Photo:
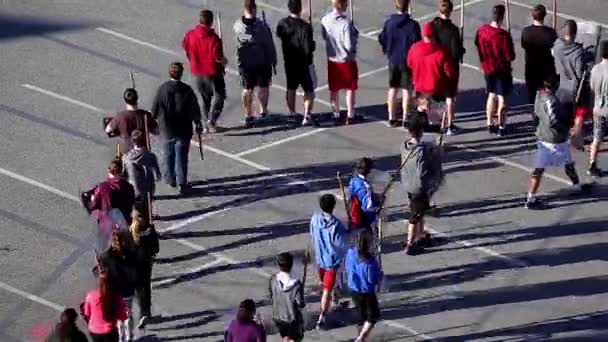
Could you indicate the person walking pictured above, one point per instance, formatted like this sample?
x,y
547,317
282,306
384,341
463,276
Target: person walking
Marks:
x,y
205,52
298,47
287,298
599,87
496,53
398,35
244,328
103,308
176,107
67,330
341,35
364,205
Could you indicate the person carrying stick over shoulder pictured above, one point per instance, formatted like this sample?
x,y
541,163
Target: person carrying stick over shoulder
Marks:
x,y
204,49
496,53
364,204
298,47
330,240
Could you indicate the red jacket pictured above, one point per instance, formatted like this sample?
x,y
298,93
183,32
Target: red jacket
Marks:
x,y
495,48
204,50
432,67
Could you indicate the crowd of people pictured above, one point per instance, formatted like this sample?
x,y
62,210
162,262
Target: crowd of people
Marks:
x,y
423,66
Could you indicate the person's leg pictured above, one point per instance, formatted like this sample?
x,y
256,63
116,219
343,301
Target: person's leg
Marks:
x,y
350,103
263,95
290,98
600,124
334,98
329,280
405,103
352,75
372,314
366,330
247,97
502,111
391,97
219,92
570,170
205,88
577,133
182,148
248,81
533,186
168,158
264,78
309,101
451,109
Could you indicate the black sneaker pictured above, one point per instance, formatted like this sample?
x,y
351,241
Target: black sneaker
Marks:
x,y
594,171
533,204
492,129
502,131
184,189
263,115
350,121
393,123
249,121
413,249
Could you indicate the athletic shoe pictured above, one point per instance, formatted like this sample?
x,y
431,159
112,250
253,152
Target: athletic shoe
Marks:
x,y
533,203
426,241
306,121
184,189
594,171
142,322
350,121
413,249
210,127
263,115
492,129
249,121
321,324
502,131
205,130
337,115
449,132
393,123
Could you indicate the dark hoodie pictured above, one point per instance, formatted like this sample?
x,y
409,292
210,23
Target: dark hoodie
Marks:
x,y
176,107
432,67
287,297
571,66
142,170
204,50
297,42
448,35
398,35
255,45
496,50
144,251
114,192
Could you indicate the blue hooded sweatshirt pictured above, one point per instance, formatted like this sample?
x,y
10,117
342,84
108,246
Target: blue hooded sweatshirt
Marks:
x,y
360,187
330,240
363,275
399,33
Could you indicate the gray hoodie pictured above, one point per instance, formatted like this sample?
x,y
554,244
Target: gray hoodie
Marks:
x,y
141,167
340,37
422,174
553,120
599,86
255,45
571,65
287,297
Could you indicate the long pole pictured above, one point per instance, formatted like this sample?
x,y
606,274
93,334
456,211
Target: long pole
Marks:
x,y
555,14
409,8
352,11
508,14
345,199
462,28
310,12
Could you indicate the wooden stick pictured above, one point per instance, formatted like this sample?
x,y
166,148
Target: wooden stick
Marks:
x,y
345,199
352,11
149,204
555,14
508,14
310,12
147,132
409,7
118,154
462,29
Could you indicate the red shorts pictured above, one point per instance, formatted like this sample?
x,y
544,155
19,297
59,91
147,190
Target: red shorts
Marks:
x,y
342,76
328,277
582,112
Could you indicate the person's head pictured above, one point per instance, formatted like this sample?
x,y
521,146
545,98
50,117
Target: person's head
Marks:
x,y
138,224
118,242
285,262
327,203
428,32
246,310
176,70
423,103
294,6
604,49
364,166
445,8
130,96
415,127
66,325
69,315
498,14
539,12
363,244
402,6
206,18
569,30
340,5
551,82
115,167
250,8
107,297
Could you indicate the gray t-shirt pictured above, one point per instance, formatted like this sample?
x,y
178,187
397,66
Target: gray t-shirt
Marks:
x,y
599,86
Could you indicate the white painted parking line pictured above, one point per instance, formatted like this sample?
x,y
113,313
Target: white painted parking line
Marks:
x,y
282,141
561,14
63,98
31,297
38,184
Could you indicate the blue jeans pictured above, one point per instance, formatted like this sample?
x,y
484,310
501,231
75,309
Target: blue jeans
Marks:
x,y
175,161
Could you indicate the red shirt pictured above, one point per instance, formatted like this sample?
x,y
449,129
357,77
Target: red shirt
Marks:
x,y
126,121
204,50
432,67
495,48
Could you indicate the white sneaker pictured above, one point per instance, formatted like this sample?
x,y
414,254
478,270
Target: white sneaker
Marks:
x,y
449,132
336,115
142,322
306,121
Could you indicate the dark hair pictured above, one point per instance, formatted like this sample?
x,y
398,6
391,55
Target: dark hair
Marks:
x,y
402,5
206,17
416,125
570,27
604,49
176,70
498,13
130,96
246,310
115,166
107,298
139,138
539,12
294,6
551,82
250,5
446,7
327,203
285,261
66,325
363,244
70,315
364,166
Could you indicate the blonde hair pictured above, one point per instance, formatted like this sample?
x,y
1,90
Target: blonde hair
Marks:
x,y
138,224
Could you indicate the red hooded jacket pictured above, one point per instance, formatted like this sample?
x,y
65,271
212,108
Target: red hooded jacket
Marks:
x,y
204,50
432,68
495,48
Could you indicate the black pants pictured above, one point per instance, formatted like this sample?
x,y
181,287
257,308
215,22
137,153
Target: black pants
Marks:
x,y
144,291
212,89
110,337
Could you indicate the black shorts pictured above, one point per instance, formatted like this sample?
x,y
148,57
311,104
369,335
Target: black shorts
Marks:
x,y
367,305
419,205
499,84
293,330
399,76
255,77
304,77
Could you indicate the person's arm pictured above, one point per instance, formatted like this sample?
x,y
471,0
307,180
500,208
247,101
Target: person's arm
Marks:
x,y
155,109
87,307
524,42
579,66
448,67
478,45
95,201
131,172
510,48
112,125
195,110
367,198
457,49
186,46
156,167
300,303
551,111
351,36
382,38
373,272
271,50
309,41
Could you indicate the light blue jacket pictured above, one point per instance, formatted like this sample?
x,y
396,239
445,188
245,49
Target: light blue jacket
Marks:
x,y
363,275
360,187
330,238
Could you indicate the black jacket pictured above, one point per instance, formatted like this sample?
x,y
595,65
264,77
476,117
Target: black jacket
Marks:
x,y
297,42
448,35
122,270
176,107
145,251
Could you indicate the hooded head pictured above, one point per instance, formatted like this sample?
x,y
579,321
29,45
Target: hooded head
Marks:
x,y
428,32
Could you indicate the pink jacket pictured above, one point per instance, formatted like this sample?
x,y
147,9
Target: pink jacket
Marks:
x,y
93,312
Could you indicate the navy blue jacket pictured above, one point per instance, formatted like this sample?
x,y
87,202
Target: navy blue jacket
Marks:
x,y
399,33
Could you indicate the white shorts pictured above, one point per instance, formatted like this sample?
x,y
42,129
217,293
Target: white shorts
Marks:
x,y
552,155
